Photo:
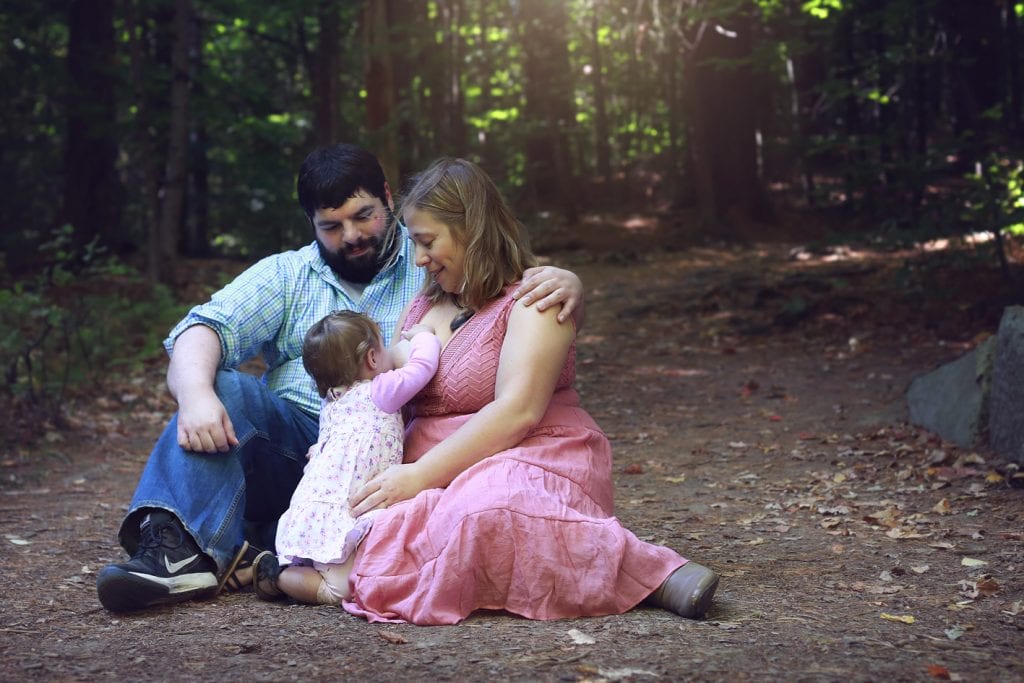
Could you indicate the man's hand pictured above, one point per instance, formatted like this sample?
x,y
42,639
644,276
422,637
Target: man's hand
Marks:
x,y
393,485
204,425
547,286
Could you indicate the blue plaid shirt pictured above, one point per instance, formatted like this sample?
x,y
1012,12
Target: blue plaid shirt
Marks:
x,y
268,309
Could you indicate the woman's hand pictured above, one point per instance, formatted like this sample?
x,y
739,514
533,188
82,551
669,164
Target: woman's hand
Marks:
x,y
393,485
547,286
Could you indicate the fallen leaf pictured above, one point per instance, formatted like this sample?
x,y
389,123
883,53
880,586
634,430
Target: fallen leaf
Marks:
x,y
623,674
579,637
942,507
937,671
393,638
971,562
675,480
904,533
987,586
902,618
727,625
633,468
954,632
737,444
1015,609
920,569
944,545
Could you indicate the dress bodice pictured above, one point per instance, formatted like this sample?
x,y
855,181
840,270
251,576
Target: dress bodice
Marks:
x,y
468,368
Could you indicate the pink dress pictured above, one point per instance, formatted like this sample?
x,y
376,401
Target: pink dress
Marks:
x,y
528,530
360,436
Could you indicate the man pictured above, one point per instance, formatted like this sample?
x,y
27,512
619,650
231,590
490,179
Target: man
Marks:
x,y
225,467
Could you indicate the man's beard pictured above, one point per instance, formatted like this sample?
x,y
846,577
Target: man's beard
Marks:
x,y
359,269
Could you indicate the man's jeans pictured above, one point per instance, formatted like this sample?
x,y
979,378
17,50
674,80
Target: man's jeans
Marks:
x,y
222,498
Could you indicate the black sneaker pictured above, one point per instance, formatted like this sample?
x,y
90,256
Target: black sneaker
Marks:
x,y
168,566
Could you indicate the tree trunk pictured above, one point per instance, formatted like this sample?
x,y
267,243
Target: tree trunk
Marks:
x,y
601,128
172,193
724,145
197,234
1013,67
325,73
409,30
549,111
92,198
380,87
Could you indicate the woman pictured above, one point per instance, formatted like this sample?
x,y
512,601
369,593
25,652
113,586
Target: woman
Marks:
x,y
504,500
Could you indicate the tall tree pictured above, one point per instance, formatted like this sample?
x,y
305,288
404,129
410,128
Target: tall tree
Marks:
x,y
325,69
380,86
91,196
549,110
602,133
173,185
721,92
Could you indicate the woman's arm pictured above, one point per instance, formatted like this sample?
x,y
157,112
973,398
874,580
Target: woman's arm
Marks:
x,y
532,356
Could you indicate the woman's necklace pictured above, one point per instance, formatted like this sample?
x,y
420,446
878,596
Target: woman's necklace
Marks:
x,y
460,318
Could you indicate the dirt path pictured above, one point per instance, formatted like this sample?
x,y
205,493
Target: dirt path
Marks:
x,y
755,403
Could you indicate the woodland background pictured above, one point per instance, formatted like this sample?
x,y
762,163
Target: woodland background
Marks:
x,y
135,134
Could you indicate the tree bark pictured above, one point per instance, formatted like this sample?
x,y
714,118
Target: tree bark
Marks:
x,y
380,87
724,123
602,146
172,192
549,109
325,73
92,197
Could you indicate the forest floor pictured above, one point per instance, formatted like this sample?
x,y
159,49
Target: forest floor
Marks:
x,y
755,398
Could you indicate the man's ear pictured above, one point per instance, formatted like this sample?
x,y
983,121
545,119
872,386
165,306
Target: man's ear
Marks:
x,y
387,195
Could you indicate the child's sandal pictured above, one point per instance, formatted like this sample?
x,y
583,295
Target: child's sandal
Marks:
x,y
265,571
230,581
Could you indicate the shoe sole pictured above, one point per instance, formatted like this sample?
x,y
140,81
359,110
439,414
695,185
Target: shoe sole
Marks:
x,y
123,591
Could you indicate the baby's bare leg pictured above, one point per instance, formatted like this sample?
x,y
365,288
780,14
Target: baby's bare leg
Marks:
x,y
324,585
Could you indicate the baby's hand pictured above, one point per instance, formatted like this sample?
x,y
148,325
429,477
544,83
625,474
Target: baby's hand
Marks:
x,y
417,329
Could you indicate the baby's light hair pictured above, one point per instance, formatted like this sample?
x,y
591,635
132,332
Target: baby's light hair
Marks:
x,y
335,348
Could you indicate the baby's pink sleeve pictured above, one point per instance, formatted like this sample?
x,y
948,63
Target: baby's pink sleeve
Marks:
x,y
393,389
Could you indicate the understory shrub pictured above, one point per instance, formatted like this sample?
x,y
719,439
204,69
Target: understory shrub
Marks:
x,y
80,320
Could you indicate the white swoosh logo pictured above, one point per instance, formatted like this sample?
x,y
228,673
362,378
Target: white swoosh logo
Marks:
x,y
175,567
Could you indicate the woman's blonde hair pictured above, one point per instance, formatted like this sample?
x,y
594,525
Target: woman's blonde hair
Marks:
x,y
459,194
335,348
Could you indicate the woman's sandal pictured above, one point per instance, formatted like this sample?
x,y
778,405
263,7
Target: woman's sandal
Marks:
x,y
687,591
265,571
231,581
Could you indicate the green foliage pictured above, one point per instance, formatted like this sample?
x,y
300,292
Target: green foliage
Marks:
x,y
80,319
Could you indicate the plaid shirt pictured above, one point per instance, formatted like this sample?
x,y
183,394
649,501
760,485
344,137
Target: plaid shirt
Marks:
x,y
268,309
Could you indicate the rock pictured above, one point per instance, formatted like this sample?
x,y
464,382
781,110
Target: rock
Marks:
x,y
953,400
1006,416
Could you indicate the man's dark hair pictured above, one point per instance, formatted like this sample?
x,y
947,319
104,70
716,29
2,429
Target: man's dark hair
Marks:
x,y
330,176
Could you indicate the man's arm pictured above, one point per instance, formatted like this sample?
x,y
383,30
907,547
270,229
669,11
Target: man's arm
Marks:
x,y
548,286
203,423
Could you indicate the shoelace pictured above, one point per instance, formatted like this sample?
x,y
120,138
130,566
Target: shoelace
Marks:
x,y
151,536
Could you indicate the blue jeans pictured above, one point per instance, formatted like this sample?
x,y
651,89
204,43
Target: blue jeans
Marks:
x,y
223,498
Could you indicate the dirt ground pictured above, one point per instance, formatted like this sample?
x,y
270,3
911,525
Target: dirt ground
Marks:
x,y
755,400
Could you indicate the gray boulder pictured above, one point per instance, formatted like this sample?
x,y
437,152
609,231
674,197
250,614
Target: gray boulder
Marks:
x,y
953,400
1006,414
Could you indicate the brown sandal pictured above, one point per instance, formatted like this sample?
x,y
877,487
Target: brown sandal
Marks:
x,y
230,582
265,571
